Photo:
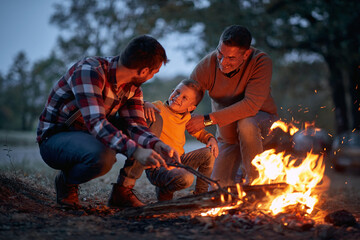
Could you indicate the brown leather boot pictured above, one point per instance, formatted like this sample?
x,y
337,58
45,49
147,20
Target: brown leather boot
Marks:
x,y
66,194
162,195
123,197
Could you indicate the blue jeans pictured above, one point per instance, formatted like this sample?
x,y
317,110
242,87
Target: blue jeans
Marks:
x,y
239,143
81,158
79,155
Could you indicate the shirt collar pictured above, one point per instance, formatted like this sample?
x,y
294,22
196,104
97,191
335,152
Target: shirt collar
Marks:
x,y
113,68
232,73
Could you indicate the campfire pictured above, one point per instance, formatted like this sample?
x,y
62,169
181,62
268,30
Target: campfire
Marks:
x,y
298,177
284,195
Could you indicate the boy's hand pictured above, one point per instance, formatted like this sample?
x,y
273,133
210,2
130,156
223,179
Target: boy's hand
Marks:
x,y
167,152
149,158
214,148
149,111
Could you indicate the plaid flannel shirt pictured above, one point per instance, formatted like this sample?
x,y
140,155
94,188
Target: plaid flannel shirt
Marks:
x,y
91,86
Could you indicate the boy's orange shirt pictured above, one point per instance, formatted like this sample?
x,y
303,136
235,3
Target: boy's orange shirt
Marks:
x,y
173,131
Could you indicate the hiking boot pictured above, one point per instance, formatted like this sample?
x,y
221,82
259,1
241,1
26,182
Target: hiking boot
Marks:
x,y
66,194
162,195
123,197
196,192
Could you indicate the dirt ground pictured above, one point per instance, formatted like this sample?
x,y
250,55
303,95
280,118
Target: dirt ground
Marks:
x,y
28,211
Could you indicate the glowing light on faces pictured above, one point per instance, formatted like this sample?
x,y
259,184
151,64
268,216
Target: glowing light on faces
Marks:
x,y
182,99
229,58
137,81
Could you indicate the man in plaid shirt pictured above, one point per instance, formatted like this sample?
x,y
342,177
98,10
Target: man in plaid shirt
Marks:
x,y
95,111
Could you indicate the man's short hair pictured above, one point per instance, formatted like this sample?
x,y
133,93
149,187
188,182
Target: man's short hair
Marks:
x,y
199,92
143,51
236,36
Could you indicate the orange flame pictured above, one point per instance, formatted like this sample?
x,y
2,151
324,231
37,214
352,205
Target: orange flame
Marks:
x,y
222,210
301,179
301,176
290,128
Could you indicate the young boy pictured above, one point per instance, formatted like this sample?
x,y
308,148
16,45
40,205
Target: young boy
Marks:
x,y
168,123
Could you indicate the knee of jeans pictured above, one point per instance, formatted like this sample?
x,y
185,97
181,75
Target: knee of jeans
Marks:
x,y
103,160
247,126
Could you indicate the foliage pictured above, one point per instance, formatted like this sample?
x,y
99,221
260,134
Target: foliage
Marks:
x,y
328,29
323,35
24,91
16,98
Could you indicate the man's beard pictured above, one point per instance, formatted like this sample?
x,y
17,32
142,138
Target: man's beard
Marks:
x,y
137,81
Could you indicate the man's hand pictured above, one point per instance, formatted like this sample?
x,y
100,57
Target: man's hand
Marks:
x,y
195,124
149,158
167,152
149,111
214,148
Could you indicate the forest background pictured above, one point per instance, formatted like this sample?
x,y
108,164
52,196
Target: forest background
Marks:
x,y
314,44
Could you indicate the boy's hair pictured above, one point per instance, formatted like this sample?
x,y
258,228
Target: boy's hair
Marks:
x,y
236,36
143,51
190,83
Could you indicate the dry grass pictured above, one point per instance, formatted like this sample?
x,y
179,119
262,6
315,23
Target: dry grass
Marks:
x,y
37,172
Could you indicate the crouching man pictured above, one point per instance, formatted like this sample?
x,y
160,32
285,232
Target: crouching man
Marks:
x,y
96,111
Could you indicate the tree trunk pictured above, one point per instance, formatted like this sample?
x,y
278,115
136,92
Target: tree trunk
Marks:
x,y
354,75
338,95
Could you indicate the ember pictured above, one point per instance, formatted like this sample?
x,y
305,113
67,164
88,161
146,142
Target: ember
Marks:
x,y
223,210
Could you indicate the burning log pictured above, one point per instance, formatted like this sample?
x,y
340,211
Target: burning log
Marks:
x,y
181,205
201,202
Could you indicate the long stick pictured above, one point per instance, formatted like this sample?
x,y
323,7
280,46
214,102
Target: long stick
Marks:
x,y
203,177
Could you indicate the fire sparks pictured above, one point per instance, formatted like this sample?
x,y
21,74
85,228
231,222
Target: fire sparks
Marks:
x,y
301,176
290,128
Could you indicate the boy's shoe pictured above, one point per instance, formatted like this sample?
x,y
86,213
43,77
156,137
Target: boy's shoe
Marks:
x,y
66,194
123,197
162,195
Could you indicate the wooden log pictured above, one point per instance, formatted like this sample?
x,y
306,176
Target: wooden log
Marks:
x,y
180,205
198,202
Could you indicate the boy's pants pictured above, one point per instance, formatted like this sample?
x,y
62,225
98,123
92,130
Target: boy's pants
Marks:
x,y
178,178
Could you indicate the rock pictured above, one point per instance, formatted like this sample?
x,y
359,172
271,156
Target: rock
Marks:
x,y
312,139
341,218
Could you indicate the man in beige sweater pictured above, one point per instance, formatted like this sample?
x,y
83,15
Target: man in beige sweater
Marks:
x,y
237,78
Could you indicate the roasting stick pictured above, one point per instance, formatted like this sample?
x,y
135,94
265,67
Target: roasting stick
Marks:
x,y
203,177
